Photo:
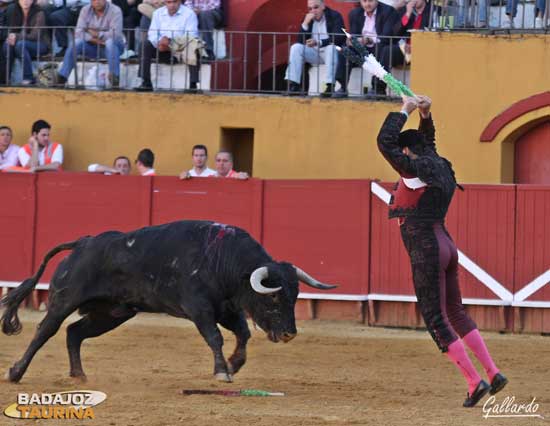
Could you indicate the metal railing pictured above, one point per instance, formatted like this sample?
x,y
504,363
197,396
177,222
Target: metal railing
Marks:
x,y
254,62
495,15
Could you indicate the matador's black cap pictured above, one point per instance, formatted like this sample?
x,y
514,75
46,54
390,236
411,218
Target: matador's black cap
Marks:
x,y
412,139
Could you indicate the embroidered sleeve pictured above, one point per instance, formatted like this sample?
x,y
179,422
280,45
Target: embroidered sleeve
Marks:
x,y
389,147
426,127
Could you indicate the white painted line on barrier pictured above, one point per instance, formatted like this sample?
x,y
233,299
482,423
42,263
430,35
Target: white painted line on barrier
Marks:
x,y
13,284
464,260
380,192
484,277
332,296
532,287
531,304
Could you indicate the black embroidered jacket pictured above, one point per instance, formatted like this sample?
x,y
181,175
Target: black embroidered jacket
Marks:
x,y
427,204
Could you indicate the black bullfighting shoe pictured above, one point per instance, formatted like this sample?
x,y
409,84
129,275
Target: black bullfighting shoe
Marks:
x,y
498,383
480,391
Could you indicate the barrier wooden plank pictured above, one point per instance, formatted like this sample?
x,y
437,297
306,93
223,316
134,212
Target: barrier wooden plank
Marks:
x,y
17,215
322,227
71,205
228,201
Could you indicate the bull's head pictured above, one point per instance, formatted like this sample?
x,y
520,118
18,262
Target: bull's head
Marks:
x,y
276,288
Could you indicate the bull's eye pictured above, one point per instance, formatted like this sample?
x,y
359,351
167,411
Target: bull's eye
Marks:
x,y
274,297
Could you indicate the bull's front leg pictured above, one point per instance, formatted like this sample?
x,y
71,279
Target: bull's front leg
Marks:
x,y
236,322
211,333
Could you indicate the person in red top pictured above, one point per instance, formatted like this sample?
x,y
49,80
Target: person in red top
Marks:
x,y
40,153
415,15
224,166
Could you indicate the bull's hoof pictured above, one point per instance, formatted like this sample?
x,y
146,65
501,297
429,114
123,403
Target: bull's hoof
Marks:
x,y
10,377
223,377
79,378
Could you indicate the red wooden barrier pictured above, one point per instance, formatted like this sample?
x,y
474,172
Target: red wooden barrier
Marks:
x,y
390,267
227,201
335,230
532,266
481,222
323,227
17,215
71,205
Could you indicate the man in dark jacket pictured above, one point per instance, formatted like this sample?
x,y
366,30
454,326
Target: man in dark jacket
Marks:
x,y
374,23
414,16
320,33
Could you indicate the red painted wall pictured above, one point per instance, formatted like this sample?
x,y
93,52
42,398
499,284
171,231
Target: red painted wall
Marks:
x,y
532,156
322,227
17,215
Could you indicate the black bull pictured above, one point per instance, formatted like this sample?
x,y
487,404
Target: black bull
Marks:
x,y
203,271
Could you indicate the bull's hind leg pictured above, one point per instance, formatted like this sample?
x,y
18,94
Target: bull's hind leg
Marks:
x,y
102,319
46,329
236,322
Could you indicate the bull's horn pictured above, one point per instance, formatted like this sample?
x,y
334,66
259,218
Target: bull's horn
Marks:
x,y
312,282
256,281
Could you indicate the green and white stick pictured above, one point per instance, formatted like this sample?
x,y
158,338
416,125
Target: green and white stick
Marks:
x,y
359,55
374,67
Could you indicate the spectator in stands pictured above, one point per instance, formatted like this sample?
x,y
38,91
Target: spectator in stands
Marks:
x,y
121,166
145,161
26,39
210,16
512,11
224,166
170,21
65,14
41,154
98,35
8,151
415,15
374,22
130,20
320,33
199,156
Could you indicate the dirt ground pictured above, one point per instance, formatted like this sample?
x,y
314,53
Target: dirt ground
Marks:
x,y
333,373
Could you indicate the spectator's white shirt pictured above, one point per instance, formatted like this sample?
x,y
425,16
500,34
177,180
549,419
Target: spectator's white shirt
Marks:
x,y
319,31
9,157
369,28
150,172
205,173
183,22
57,155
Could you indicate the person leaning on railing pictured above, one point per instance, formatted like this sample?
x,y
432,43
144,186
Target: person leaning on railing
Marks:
x,y
8,150
26,39
98,35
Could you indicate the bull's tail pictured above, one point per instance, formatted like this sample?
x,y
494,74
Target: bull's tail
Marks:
x,y
11,301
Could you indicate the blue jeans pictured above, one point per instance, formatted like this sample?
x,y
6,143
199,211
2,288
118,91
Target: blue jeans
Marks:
x,y
111,51
512,7
26,50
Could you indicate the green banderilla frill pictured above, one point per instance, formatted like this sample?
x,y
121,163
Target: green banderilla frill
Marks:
x,y
397,86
